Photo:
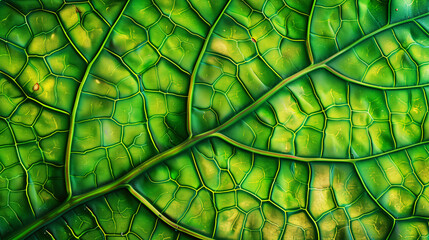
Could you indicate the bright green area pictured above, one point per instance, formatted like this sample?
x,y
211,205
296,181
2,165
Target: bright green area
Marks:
x,y
239,119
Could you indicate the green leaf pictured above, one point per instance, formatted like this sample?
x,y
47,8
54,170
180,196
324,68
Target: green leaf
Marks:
x,y
236,119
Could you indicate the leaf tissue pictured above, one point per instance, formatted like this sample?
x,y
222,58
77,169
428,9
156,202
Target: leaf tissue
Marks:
x,y
214,119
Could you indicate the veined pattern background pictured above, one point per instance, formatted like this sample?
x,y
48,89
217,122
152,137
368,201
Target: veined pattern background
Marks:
x,y
214,119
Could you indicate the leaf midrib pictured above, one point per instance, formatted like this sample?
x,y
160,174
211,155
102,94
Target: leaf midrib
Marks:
x,y
74,201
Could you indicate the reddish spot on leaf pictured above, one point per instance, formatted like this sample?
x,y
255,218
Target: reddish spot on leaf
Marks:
x,y
77,10
36,87
253,40
396,9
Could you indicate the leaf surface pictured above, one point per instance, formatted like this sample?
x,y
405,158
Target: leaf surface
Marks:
x,y
218,119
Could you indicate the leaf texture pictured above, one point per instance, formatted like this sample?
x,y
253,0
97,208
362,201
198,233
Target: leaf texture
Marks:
x,y
238,119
